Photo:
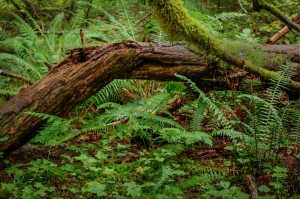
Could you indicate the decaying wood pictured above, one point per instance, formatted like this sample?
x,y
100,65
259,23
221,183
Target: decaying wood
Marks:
x,y
291,51
86,70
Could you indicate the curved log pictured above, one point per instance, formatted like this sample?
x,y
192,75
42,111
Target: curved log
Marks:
x,y
86,70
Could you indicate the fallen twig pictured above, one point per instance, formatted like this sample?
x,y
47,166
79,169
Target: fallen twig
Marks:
x,y
10,74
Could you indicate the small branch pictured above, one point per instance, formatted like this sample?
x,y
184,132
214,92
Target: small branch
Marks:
x,y
116,122
83,41
242,7
58,33
9,74
142,19
283,31
261,4
49,65
250,183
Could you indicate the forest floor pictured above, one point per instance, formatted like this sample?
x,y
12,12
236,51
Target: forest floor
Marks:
x,y
77,162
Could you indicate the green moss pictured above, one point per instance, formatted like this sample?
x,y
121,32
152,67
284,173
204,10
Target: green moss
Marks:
x,y
268,6
277,60
245,51
262,71
175,20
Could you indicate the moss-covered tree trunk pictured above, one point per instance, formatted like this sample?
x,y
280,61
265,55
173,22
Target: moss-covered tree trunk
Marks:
x,y
84,71
179,24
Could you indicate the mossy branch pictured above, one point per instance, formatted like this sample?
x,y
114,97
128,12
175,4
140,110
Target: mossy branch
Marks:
x,y
175,20
261,4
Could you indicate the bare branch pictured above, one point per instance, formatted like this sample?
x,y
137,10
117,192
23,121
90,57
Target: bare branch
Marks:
x,y
283,31
142,19
9,74
261,4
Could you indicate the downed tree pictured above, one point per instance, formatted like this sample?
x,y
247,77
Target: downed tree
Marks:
x,y
184,26
86,70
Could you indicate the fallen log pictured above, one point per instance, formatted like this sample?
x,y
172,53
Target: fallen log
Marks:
x,y
86,70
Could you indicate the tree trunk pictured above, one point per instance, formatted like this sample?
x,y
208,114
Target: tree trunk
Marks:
x,y
86,70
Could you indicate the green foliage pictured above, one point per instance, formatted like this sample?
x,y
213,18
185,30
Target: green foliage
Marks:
x,y
4,139
118,28
141,149
55,131
111,92
183,25
33,47
266,120
279,175
214,23
133,189
95,188
134,118
247,51
216,112
175,135
37,190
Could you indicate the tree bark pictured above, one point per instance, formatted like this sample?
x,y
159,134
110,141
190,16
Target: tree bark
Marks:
x,y
86,70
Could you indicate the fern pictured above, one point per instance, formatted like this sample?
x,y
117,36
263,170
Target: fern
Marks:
x,y
24,27
267,122
29,56
214,23
250,86
273,119
111,92
233,134
55,25
128,21
23,65
210,22
139,118
55,131
175,135
208,177
166,174
8,92
229,15
197,117
115,27
153,33
291,120
211,106
4,34
31,47
139,111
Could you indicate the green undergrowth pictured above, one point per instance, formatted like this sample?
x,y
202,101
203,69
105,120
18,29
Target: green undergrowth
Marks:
x,y
137,148
147,139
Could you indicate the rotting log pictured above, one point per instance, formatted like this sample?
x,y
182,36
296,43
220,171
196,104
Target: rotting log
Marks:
x,y
86,70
